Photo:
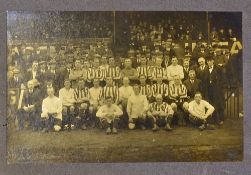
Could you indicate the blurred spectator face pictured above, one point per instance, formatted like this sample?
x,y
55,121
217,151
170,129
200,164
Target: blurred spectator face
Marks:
x,y
187,37
109,102
136,89
30,85
35,65
158,61
201,61
210,63
128,63
86,64
96,63
109,81
78,64
53,66
15,71
111,61
152,38
10,74
78,49
186,63
103,60
43,66
142,37
67,84
143,60
159,99
200,35
169,36
230,30
142,80
202,49
148,55
50,92
68,65
174,61
81,83
96,83
221,30
138,55
159,80
49,82
197,97
126,81
192,74
144,47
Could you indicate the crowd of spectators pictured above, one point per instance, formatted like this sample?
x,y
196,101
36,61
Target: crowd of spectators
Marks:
x,y
59,25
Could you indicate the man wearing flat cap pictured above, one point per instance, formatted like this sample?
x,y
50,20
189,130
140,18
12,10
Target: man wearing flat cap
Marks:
x,y
16,80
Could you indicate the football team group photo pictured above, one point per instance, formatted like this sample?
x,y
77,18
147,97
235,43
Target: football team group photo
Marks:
x,y
124,86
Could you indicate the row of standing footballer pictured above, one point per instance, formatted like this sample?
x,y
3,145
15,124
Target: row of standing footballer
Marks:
x,y
138,106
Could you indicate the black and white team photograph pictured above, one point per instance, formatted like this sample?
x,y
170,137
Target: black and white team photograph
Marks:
x,y
124,86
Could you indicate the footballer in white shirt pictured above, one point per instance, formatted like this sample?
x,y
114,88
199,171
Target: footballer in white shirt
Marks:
x,y
200,111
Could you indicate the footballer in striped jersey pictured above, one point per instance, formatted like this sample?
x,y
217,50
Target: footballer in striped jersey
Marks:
x,y
110,90
143,68
145,89
160,88
81,94
178,96
160,114
158,70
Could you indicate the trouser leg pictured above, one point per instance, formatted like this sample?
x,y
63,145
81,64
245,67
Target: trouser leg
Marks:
x,y
221,114
115,122
142,121
50,123
33,118
105,124
169,119
152,121
37,120
92,120
180,117
64,117
196,120
21,118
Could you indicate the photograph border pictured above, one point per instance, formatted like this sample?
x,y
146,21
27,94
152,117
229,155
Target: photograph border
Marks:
x,y
173,168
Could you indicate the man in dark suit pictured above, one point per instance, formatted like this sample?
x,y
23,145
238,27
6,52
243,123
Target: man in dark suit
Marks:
x,y
54,75
186,68
192,84
64,74
33,73
16,80
42,71
202,73
31,106
215,90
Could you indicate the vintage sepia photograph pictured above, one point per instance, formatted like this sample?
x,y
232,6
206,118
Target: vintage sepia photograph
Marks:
x,y
124,86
